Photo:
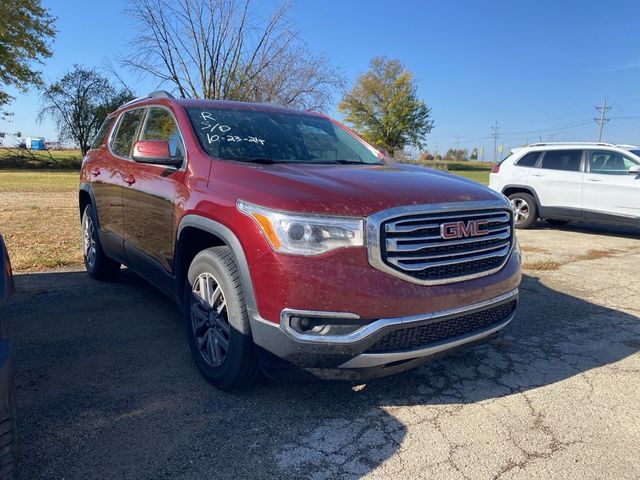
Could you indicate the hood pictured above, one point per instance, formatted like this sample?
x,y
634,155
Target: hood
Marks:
x,y
352,190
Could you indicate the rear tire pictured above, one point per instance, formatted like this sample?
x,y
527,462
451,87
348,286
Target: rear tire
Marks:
x,y
98,265
217,321
525,209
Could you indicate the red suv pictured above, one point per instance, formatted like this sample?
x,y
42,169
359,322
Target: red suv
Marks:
x,y
291,244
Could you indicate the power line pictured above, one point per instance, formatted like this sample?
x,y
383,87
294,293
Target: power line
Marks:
x,y
602,120
495,133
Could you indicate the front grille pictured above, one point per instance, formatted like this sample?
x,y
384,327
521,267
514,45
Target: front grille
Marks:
x,y
448,329
413,244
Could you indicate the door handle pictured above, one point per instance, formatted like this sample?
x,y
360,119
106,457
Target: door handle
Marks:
x,y
593,180
95,172
537,175
130,180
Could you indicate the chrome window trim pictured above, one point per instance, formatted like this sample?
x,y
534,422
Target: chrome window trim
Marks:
x,y
377,325
372,236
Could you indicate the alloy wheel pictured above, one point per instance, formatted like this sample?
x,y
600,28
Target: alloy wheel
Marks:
x,y
89,241
521,210
209,320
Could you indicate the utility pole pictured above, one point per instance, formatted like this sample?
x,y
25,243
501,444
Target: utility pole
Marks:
x,y
457,154
603,109
495,133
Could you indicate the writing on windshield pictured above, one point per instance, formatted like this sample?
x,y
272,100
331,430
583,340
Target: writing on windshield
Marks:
x,y
243,134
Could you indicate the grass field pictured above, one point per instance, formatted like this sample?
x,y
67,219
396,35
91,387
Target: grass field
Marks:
x,y
39,217
480,176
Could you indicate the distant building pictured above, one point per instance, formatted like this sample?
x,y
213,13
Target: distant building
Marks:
x,y
35,143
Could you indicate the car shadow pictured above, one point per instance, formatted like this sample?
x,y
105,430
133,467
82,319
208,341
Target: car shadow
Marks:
x,y
107,389
592,229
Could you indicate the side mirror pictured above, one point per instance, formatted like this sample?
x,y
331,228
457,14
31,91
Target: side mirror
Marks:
x,y
634,170
156,152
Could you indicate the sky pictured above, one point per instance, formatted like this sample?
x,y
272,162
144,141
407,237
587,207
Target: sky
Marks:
x,y
537,68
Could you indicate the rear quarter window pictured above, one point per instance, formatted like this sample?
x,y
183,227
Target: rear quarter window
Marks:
x,y
529,160
101,137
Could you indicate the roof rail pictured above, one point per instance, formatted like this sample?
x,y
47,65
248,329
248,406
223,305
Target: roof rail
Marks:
x,y
541,144
160,94
156,94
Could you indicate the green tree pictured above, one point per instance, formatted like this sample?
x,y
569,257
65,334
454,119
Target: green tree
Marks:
x,y
79,102
383,107
457,154
26,30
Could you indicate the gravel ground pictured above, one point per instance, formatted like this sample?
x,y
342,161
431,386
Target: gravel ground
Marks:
x,y
107,389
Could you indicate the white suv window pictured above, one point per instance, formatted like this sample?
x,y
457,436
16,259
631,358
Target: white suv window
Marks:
x,y
529,160
609,163
568,160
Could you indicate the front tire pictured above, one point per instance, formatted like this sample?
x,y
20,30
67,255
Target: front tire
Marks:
x,y
217,320
8,438
98,265
525,209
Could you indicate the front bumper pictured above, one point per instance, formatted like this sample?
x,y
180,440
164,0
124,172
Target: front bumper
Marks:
x,y
380,347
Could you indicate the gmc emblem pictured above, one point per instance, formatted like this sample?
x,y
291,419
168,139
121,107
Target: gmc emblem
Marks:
x,y
472,228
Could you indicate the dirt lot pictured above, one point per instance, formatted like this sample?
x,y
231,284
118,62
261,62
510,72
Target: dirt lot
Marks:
x,y
39,218
106,387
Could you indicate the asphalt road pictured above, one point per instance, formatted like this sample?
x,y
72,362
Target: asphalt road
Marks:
x,y
107,389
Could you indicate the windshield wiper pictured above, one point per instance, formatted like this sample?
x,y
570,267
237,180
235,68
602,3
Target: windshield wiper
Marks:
x,y
341,161
262,161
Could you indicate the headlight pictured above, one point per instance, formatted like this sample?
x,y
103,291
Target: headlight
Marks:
x,y
302,234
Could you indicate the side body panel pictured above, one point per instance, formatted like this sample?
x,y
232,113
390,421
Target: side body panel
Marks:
x,y
557,188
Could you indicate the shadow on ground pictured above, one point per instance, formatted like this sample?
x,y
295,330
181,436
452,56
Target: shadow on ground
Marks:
x,y
107,389
592,229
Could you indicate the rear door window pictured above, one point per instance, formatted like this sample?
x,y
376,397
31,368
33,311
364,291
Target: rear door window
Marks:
x,y
567,160
529,160
122,142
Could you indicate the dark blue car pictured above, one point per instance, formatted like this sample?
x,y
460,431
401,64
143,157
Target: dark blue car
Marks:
x,y
7,397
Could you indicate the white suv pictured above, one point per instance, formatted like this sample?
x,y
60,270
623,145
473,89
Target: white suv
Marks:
x,y
564,182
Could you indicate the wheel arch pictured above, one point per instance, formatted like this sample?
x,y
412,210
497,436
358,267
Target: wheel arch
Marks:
x,y
85,197
196,233
511,189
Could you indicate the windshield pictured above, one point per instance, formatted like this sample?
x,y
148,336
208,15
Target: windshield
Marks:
x,y
274,137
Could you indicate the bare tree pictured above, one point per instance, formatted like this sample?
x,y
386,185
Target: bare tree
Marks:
x,y
215,49
78,103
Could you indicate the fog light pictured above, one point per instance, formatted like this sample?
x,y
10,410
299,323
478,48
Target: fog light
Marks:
x,y
307,325
316,326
